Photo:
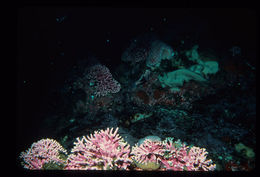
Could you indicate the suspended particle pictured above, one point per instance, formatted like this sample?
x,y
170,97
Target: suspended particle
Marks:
x,y
60,19
164,19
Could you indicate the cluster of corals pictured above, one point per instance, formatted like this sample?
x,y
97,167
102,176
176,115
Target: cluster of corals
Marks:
x,y
184,158
105,150
102,80
43,152
167,155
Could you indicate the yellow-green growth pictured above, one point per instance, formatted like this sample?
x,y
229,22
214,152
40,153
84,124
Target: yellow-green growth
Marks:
x,y
140,116
53,166
148,165
246,151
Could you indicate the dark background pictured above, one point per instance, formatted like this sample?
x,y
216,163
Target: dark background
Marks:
x,y
48,48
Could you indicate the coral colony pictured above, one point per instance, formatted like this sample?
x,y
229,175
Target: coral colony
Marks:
x,y
43,153
107,150
100,77
102,151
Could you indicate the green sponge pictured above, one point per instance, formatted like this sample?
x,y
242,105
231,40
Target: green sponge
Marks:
x,y
175,79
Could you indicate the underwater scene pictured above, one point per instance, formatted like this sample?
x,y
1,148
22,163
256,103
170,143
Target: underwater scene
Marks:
x,y
136,89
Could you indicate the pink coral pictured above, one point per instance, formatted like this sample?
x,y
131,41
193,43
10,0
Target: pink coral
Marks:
x,y
102,151
149,151
185,158
170,155
198,158
42,152
102,80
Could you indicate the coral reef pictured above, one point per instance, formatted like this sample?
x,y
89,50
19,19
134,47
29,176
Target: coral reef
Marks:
x,y
161,89
107,150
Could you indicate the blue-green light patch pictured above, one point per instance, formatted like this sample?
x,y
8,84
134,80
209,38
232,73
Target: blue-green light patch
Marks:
x,y
92,97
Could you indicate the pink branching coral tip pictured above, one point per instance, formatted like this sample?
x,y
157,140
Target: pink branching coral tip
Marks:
x,y
103,150
148,151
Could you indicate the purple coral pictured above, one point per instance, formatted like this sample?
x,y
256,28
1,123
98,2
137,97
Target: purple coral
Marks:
x,y
42,152
102,80
102,151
